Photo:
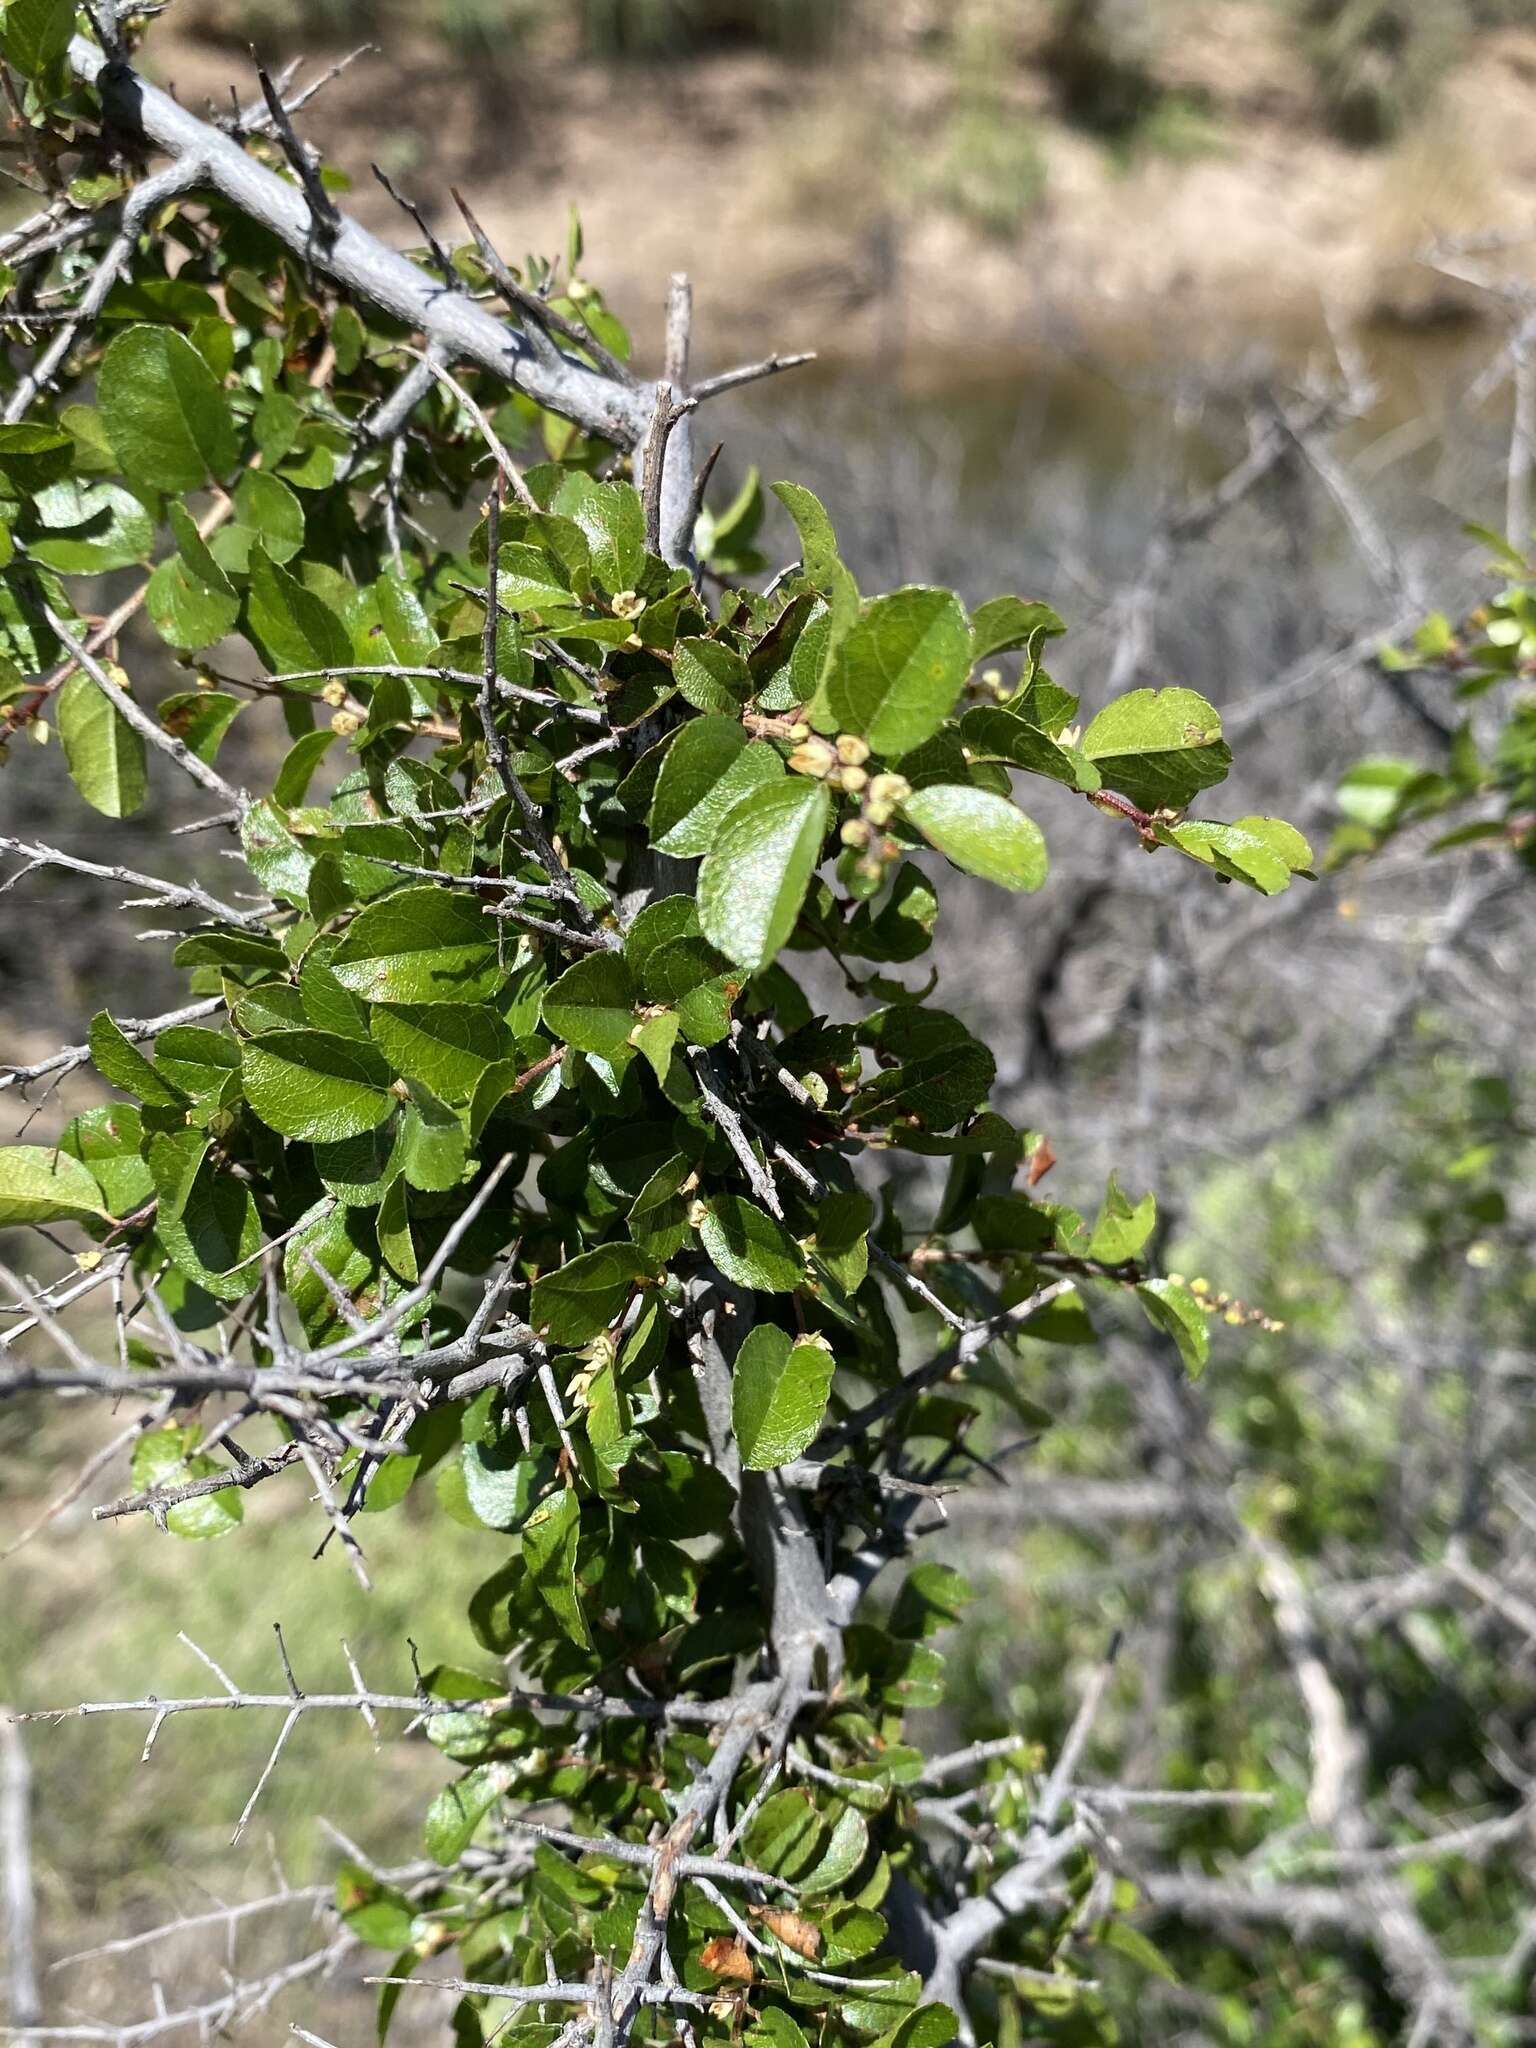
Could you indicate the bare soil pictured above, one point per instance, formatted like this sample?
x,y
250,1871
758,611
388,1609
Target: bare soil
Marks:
x,y
798,197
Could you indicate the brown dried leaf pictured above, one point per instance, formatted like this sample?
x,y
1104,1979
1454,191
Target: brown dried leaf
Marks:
x,y
724,1957
794,1932
1041,1160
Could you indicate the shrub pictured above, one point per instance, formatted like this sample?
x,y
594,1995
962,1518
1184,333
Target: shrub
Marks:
x,y
511,1143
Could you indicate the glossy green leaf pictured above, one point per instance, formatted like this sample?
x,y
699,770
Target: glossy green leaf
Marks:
x,y
550,1537
199,719
167,1458
753,883
897,675
311,1084
592,1005
185,612
92,528
708,769
580,1299
1006,623
293,628
104,753
423,945
981,832
779,1394
750,1246
165,415
122,1064
1175,1311
1160,748
36,34
39,1184
447,1046
458,1810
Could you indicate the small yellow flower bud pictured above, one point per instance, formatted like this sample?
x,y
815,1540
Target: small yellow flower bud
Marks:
x,y
889,789
40,730
799,731
992,678
855,833
851,750
335,693
698,1213
854,779
813,757
345,723
629,604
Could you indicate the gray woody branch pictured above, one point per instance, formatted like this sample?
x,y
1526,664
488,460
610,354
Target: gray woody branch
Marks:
x,y
611,406
618,412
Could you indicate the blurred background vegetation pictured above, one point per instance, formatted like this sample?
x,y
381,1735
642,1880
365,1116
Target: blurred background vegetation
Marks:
x,y
1065,258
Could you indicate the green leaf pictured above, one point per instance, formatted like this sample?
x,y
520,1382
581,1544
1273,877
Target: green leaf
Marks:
x,y
1123,1226
92,528
592,1005
779,1394
1160,748
293,628
842,1856
211,1226
580,1299
420,946
750,1247
754,880
446,1046
613,520
655,1038
167,1458
108,1140
1370,792
842,1237
658,1221
269,513
708,769
33,456
1009,622
37,34
433,1148
991,734
459,1809
119,1061
1129,1941
981,832
818,541
104,753
199,719
406,625
1175,1311
897,675
41,1185
375,1912
710,676
315,1085
393,1225
185,612
550,1538
164,413
1239,853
